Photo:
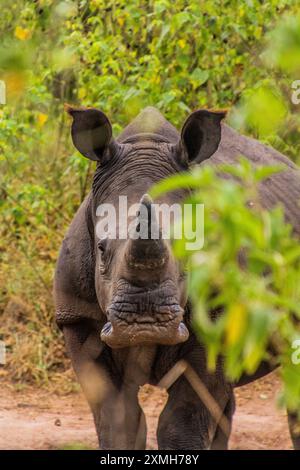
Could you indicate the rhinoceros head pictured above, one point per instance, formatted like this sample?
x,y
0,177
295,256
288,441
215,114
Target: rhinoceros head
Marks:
x,y
140,285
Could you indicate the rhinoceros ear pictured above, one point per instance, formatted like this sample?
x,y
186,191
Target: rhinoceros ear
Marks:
x,y
91,131
201,135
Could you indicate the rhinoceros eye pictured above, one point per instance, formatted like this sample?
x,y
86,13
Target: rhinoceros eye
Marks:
x,y
105,257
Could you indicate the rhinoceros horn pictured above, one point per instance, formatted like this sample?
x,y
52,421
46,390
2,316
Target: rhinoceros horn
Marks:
x,y
146,249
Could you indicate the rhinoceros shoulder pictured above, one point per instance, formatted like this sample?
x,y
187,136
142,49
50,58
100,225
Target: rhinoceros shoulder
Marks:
x,y
74,281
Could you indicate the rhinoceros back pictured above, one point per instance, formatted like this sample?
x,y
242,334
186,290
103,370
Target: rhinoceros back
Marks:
x,y
280,188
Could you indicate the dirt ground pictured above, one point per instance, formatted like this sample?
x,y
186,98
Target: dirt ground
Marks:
x,y
32,419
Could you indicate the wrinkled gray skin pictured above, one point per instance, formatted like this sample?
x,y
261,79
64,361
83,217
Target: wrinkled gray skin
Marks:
x,y
122,305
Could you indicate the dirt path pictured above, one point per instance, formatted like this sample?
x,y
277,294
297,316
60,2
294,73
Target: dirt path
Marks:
x,y
33,420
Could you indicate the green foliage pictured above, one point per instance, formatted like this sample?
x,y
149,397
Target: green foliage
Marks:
x,y
262,110
119,56
284,46
266,109
244,283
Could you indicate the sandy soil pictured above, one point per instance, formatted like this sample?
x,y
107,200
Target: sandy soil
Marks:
x,y
32,419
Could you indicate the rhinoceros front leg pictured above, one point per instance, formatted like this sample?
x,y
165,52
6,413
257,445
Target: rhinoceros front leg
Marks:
x,y
119,420
220,440
185,422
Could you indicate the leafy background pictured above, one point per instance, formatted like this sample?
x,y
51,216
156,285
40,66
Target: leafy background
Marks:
x,y
119,56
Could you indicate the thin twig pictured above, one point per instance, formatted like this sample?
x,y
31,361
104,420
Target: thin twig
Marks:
x,y
182,367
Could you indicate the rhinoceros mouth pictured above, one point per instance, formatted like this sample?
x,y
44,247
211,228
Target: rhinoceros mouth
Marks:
x,y
142,317
120,334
